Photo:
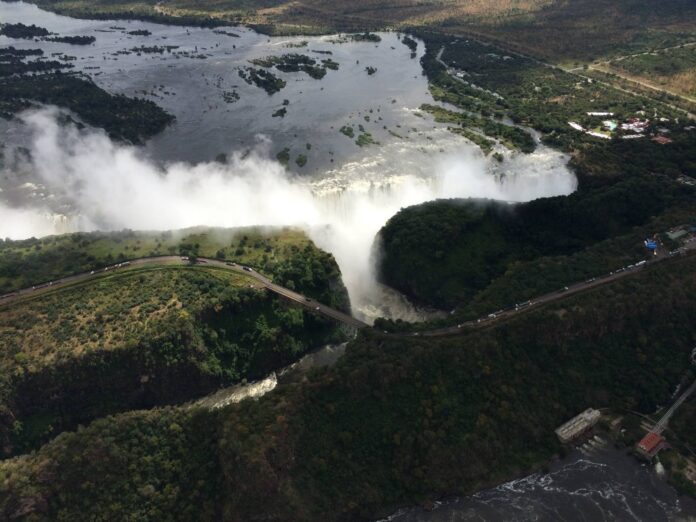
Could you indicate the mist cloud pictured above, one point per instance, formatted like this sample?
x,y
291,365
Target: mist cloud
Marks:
x,y
111,187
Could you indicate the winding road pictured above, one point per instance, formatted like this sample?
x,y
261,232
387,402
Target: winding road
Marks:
x,y
305,302
332,313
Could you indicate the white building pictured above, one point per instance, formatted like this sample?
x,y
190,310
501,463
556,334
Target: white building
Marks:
x,y
578,425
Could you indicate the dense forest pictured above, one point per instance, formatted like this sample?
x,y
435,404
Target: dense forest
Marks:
x,y
444,252
123,118
73,355
398,420
138,340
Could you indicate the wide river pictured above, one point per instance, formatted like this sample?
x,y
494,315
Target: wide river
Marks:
x,y
342,196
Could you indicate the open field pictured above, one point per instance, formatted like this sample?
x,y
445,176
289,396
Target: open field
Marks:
x,y
554,29
672,69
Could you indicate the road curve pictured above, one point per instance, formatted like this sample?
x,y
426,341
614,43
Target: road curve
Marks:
x,y
553,296
319,308
305,302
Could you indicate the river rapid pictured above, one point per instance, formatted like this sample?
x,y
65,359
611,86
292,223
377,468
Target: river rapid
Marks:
x,y
595,483
59,179
342,196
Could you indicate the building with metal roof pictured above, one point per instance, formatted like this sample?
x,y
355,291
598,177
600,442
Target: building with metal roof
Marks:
x,y
578,425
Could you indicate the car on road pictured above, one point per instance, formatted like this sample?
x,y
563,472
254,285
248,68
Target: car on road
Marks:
x,y
316,308
247,269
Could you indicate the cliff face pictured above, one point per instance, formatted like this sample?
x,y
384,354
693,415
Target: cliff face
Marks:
x,y
147,337
445,252
398,420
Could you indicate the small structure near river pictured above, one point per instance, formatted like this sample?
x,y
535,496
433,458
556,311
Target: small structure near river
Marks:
x,y
578,425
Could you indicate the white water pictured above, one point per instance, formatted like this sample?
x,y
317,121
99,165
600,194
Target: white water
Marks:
x,y
99,184
72,180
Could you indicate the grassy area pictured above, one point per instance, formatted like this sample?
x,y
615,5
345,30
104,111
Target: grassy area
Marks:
x,y
580,29
397,420
151,336
673,69
105,314
584,30
286,254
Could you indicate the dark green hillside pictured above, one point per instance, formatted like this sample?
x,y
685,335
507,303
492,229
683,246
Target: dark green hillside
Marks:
x,y
398,420
444,252
287,255
123,118
139,339
143,337
159,465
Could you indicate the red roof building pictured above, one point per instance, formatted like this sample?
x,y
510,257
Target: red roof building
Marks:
x,y
662,140
651,444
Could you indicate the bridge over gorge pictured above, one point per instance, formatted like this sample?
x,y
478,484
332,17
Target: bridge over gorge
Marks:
x,y
653,442
342,317
299,299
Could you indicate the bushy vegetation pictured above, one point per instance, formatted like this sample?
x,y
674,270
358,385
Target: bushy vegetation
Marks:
x,y
138,339
366,37
512,137
499,85
297,63
73,40
262,78
671,68
22,31
398,420
445,252
411,44
287,255
123,118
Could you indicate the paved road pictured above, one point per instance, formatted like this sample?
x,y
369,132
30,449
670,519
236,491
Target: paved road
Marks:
x,y
305,302
327,311
553,296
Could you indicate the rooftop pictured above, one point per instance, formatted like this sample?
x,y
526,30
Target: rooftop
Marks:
x,y
651,443
578,424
